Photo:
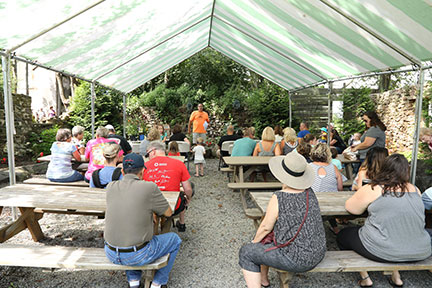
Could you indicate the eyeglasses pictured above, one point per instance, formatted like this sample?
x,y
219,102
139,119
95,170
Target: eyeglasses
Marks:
x,y
148,152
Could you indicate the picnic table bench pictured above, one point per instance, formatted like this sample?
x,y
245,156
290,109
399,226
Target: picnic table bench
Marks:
x,y
70,258
34,200
350,261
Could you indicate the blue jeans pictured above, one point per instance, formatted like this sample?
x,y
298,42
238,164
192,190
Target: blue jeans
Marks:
x,y
159,246
73,178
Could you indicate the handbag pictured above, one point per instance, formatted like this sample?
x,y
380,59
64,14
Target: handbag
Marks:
x,y
349,155
270,237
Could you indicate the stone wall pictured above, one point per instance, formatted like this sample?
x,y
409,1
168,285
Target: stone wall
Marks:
x,y
396,109
23,125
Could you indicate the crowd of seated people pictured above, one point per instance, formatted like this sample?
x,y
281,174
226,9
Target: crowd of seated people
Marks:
x,y
304,167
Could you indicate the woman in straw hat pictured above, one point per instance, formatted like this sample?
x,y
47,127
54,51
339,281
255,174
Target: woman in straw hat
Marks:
x,y
291,236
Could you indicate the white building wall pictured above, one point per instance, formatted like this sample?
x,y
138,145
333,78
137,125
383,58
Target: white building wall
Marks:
x,y
42,86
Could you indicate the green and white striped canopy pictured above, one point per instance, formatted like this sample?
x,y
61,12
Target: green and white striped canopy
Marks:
x,y
124,43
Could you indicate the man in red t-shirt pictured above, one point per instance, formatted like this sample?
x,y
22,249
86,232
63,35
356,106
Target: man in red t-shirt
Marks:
x,y
168,173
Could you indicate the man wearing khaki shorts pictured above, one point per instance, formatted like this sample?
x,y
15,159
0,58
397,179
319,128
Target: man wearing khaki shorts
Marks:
x,y
200,121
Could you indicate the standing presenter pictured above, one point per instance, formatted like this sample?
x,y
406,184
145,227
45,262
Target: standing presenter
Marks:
x,y
200,121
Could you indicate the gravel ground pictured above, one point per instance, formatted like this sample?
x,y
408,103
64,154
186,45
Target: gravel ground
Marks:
x,y
216,229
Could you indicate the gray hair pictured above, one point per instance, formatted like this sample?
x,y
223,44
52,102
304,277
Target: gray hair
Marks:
x,y
157,145
102,132
77,130
63,134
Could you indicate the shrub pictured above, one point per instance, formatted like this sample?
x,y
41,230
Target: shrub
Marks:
x,y
108,108
42,142
355,103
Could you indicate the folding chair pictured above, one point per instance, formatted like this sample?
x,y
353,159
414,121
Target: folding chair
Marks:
x,y
184,148
225,147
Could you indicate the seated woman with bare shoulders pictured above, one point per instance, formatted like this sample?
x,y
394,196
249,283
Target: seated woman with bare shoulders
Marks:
x,y
370,167
291,236
394,229
60,166
289,142
327,176
266,147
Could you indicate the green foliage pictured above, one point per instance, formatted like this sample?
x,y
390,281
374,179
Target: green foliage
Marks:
x,y
108,107
166,103
356,102
41,143
268,106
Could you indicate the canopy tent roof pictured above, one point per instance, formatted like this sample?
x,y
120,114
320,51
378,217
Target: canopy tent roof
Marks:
x,y
123,44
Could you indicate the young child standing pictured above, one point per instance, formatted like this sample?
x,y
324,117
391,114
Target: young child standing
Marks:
x,y
173,149
199,160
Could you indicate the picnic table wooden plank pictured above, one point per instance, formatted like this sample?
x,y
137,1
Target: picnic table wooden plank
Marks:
x,y
66,257
331,203
350,261
61,197
246,160
241,162
45,181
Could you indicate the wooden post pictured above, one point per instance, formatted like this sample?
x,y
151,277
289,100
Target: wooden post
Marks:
x,y
285,277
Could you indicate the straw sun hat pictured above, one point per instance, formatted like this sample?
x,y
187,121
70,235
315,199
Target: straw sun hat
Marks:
x,y
292,170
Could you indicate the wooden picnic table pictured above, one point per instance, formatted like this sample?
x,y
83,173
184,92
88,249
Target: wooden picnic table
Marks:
x,y
331,203
348,165
240,162
28,197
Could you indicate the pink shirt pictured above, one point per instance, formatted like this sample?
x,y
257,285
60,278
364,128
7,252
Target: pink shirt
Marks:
x,y
94,152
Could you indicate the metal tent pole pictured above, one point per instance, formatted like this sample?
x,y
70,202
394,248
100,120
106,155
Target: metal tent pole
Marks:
x,y
418,111
329,98
124,115
290,109
93,96
10,127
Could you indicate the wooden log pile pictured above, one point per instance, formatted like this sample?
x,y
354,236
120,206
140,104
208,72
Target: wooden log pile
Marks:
x,y
396,109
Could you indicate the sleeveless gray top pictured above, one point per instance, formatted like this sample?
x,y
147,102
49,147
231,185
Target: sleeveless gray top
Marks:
x,y
288,148
395,228
324,183
267,153
308,249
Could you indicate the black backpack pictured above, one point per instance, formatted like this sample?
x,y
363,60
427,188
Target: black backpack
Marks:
x,y
96,181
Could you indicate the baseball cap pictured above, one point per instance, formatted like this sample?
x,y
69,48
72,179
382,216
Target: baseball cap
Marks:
x,y
133,161
110,149
109,127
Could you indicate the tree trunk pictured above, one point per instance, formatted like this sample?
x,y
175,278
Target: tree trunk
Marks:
x,y
166,77
384,82
72,86
61,91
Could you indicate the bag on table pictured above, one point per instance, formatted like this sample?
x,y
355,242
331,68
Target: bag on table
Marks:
x,y
349,155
